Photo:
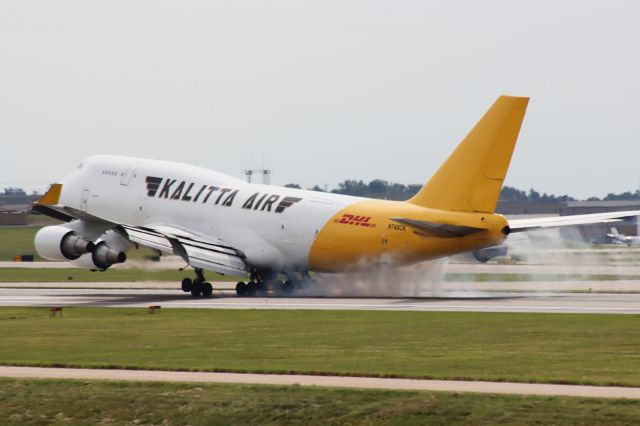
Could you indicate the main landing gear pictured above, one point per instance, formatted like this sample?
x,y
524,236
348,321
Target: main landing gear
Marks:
x,y
260,283
198,286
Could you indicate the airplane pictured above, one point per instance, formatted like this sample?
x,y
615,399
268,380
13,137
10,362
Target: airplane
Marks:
x,y
623,239
274,237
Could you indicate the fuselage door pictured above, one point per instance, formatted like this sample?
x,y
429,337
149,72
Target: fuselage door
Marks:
x,y
129,174
84,198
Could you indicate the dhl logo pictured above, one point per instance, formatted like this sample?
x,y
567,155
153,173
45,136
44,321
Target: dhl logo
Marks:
x,y
349,219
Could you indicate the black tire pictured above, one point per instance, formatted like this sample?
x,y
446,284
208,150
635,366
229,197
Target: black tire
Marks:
x,y
252,289
207,290
277,288
196,289
287,287
261,288
241,289
187,285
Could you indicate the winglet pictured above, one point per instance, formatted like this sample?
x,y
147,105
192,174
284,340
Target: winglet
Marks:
x,y
52,197
471,178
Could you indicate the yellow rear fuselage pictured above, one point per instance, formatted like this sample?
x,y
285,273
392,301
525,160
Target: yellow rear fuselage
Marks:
x,y
365,234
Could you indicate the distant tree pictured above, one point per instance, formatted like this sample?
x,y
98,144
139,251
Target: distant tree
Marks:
x,y
534,196
509,193
413,189
382,189
622,196
292,185
378,186
14,191
352,187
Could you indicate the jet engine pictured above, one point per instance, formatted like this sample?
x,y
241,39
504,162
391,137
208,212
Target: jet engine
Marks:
x,y
486,254
109,250
102,257
60,242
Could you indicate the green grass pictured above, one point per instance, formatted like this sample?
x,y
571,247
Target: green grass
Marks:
x,y
17,275
552,348
17,240
41,220
93,402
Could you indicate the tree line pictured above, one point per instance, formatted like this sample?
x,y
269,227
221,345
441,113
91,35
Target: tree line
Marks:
x,y
382,189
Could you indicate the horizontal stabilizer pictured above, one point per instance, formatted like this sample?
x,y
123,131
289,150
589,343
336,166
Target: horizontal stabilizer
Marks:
x,y
522,225
441,230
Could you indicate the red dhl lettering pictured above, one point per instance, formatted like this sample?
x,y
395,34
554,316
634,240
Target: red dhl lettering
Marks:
x,y
349,219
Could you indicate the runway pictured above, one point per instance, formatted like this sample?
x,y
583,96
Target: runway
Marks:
x,y
598,303
450,287
329,381
568,267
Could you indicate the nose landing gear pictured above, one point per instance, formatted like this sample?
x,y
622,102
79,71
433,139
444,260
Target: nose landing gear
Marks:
x,y
197,287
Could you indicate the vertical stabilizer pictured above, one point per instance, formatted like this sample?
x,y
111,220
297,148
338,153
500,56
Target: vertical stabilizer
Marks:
x,y
471,178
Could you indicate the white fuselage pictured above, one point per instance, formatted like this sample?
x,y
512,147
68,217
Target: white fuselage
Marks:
x,y
273,226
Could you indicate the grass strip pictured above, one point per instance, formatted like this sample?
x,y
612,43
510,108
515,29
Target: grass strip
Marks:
x,y
518,347
29,401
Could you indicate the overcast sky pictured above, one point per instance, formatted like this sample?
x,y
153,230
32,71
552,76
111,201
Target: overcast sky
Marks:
x,y
321,90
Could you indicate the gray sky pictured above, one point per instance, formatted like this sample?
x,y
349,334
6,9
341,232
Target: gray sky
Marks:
x,y
323,90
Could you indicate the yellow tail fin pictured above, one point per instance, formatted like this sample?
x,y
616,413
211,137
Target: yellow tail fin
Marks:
x,y
471,178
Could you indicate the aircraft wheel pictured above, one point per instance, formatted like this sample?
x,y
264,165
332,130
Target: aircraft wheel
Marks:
x,y
207,289
287,287
252,289
196,289
262,288
241,289
187,285
278,288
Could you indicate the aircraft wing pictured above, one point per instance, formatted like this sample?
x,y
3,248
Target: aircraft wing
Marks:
x,y
198,251
522,225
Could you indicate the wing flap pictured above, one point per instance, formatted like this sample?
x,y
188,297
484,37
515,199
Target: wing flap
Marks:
x,y
149,238
213,260
199,252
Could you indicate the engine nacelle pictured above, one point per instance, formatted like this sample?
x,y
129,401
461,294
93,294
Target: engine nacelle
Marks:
x,y
110,249
486,254
102,257
59,242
